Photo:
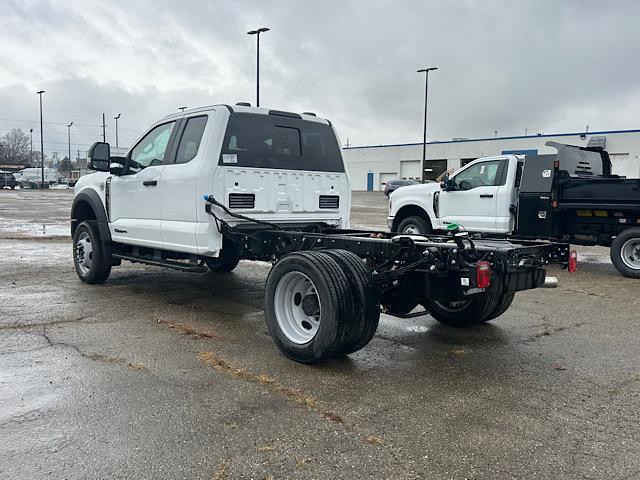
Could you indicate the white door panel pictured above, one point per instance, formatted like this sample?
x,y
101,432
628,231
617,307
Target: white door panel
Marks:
x,y
473,209
135,208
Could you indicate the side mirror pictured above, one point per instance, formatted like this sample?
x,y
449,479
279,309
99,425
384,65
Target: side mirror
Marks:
x,y
99,157
445,183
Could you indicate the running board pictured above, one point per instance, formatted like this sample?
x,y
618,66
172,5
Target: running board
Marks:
x,y
195,268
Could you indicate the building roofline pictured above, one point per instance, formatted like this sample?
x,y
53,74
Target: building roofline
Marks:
x,y
520,137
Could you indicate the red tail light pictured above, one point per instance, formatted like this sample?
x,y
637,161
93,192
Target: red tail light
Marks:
x,y
483,274
573,261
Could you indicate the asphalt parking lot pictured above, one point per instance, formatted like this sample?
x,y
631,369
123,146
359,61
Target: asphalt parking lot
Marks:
x,y
165,374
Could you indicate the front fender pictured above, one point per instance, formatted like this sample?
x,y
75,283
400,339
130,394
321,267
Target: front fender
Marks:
x,y
89,198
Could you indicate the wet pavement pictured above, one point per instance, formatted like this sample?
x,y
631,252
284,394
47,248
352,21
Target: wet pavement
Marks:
x,y
165,374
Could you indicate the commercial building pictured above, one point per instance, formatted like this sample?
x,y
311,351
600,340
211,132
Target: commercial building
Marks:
x,y
370,167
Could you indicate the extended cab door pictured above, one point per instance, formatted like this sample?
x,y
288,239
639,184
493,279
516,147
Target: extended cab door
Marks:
x,y
473,200
135,211
180,197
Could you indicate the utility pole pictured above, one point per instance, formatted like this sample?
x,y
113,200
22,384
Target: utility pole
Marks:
x,y
257,32
30,146
69,137
424,130
41,140
116,119
104,131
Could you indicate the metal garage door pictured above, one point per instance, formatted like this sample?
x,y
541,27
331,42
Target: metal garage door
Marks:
x,y
410,170
385,177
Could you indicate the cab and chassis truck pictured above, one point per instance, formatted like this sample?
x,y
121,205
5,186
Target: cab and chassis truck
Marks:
x,y
206,188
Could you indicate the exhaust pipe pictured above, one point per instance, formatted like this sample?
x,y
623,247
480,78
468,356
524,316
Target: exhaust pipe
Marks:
x,y
550,282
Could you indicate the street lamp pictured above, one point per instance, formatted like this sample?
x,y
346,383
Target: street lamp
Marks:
x,y
257,32
69,137
30,146
41,139
424,130
116,119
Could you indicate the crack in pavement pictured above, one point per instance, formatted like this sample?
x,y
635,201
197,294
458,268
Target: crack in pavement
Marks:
x,y
92,356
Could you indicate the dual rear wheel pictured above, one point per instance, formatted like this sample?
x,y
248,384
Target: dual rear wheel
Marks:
x,y
321,304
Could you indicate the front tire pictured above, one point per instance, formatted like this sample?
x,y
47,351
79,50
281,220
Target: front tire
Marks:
x,y
88,255
625,252
414,225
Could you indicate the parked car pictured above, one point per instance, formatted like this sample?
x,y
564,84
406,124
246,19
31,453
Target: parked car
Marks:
x,y
7,180
393,185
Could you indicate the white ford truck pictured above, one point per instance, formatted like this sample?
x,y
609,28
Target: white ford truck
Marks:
x,y
206,188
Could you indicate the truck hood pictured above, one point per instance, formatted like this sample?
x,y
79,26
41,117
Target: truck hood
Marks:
x,y
94,180
421,189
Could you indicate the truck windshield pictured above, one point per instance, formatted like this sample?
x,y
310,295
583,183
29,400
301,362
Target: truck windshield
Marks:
x,y
270,141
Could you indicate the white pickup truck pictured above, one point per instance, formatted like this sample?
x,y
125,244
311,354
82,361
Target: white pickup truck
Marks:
x,y
571,196
206,188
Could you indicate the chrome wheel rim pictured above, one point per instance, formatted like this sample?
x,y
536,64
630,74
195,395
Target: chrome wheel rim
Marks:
x,y
83,252
411,229
630,253
297,308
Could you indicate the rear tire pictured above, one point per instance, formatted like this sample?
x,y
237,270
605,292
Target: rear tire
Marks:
x,y
465,312
625,252
505,301
414,226
309,306
364,324
88,255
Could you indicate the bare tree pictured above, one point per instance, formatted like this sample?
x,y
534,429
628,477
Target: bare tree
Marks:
x,y
15,148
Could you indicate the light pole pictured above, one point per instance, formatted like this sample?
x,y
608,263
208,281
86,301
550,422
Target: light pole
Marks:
x,y
424,130
257,32
41,140
30,146
69,137
116,119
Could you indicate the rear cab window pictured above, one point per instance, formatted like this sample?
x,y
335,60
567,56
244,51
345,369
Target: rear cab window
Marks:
x,y
270,141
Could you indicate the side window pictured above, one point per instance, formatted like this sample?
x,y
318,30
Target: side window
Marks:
x,y
190,140
151,149
479,175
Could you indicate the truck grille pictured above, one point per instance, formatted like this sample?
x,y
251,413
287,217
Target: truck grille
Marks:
x,y
242,200
329,201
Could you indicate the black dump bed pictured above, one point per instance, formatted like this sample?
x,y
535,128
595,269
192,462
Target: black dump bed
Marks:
x,y
573,193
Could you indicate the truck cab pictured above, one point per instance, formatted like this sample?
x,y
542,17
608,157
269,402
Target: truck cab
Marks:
x,y
481,197
275,166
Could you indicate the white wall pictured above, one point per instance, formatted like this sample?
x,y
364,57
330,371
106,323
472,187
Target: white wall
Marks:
x,y
386,159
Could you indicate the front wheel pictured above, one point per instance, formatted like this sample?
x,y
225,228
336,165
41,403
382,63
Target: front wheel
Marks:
x,y
414,226
625,252
88,256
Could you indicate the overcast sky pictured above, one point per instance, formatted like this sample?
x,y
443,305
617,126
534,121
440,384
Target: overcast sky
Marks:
x,y
546,65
